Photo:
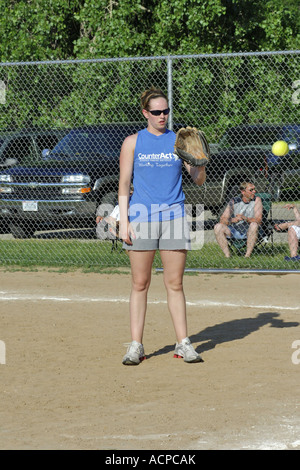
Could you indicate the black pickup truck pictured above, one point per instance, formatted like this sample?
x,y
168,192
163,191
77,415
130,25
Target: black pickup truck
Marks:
x,y
244,153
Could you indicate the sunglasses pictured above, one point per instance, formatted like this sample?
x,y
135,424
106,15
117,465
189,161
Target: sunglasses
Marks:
x,y
252,190
157,112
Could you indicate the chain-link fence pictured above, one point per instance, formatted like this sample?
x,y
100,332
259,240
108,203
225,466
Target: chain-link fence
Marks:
x,y
61,128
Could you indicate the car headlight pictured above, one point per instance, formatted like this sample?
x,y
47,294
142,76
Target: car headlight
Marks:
x,y
5,178
81,181
4,190
75,190
76,179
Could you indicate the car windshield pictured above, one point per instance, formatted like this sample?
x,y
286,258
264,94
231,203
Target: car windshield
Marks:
x,y
292,134
80,144
256,137
1,142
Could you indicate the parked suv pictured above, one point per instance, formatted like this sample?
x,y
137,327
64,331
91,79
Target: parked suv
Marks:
x,y
22,148
66,184
25,146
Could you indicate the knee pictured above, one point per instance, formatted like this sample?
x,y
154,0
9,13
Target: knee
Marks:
x,y
173,283
140,285
219,228
253,227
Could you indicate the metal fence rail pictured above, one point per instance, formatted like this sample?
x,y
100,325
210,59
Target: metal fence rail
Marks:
x,y
61,128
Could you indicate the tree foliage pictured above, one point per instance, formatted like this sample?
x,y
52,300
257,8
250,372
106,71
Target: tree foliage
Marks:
x,y
33,30
231,90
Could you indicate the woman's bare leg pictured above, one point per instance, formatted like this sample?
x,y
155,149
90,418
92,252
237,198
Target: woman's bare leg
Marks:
x,y
141,266
173,265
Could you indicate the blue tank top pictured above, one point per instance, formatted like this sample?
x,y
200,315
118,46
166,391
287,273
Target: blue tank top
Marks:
x,y
157,179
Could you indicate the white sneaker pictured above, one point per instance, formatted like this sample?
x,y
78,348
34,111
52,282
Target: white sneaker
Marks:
x,y
186,351
135,354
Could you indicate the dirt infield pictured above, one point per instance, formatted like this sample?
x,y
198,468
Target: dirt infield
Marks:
x,y
63,385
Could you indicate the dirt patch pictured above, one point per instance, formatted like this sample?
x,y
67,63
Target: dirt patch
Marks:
x,y
63,385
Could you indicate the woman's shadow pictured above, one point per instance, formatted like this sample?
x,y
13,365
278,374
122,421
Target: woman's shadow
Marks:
x,y
231,331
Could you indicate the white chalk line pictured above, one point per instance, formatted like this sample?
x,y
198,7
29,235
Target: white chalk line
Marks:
x,y
16,297
256,440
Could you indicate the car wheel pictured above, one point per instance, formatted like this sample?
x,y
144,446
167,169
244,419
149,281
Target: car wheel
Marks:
x,y
4,228
110,198
20,231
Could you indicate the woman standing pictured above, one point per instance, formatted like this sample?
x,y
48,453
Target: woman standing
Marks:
x,y
155,221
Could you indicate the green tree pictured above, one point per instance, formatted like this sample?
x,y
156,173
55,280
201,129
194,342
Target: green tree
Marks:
x,y
33,30
162,27
72,93
38,29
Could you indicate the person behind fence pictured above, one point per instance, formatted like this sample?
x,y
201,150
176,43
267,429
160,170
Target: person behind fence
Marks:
x,y
156,221
241,219
110,227
293,228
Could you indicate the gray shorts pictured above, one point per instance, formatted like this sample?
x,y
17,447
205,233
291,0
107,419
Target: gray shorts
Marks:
x,y
167,235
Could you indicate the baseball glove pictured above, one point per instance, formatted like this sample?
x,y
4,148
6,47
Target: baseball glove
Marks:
x,y
192,147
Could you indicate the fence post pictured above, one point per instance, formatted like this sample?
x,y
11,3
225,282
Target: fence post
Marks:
x,y
170,92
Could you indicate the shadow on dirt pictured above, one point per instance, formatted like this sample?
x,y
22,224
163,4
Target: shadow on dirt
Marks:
x,y
231,331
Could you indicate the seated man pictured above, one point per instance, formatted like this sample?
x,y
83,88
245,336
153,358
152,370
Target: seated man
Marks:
x,y
111,221
240,220
293,233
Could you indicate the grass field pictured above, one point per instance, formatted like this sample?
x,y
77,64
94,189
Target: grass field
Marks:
x,y
96,256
